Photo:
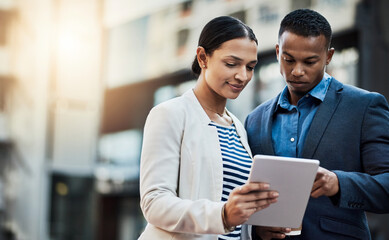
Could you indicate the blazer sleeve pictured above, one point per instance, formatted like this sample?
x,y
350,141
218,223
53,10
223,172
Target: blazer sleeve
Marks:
x,y
369,190
159,179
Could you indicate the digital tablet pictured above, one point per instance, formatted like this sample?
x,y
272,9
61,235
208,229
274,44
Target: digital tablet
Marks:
x,y
293,179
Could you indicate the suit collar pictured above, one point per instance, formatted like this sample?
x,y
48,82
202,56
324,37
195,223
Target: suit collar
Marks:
x,y
322,118
318,126
318,92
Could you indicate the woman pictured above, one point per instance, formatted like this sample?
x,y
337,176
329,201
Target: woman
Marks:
x,y
195,157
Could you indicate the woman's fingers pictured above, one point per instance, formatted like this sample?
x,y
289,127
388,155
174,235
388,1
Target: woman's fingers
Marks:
x,y
260,195
254,195
246,200
264,194
257,200
260,204
252,187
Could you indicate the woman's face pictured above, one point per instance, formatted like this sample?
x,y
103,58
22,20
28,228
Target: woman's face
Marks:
x,y
230,67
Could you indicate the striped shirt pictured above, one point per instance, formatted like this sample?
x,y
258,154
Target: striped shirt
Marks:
x,y
236,166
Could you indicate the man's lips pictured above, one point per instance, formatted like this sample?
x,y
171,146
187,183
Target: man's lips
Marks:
x,y
296,82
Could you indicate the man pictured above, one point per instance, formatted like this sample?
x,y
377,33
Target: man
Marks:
x,y
317,117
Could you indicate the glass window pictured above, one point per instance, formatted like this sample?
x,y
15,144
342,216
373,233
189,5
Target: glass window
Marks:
x,y
344,65
126,53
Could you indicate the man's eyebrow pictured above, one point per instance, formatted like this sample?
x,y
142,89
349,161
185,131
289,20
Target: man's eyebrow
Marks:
x,y
308,58
286,53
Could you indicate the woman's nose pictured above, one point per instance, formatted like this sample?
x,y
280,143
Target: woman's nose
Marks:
x,y
242,74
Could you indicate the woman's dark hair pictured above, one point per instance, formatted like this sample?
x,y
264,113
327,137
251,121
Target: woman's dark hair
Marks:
x,y
306,23
218,31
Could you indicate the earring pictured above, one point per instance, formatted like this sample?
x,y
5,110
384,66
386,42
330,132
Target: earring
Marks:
x,y
204,66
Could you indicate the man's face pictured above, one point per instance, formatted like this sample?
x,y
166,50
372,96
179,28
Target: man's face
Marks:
x,y
302,62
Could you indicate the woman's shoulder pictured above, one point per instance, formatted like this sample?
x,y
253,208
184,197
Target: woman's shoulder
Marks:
x,y
174,108
173,105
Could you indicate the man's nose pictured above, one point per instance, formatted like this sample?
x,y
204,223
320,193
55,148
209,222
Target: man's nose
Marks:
x,y
298,70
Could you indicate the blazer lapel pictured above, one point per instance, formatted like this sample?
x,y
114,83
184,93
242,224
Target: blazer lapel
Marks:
x,y
266,127
322,118
241,132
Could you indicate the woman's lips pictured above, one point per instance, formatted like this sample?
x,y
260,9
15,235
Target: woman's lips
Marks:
x,y
236,87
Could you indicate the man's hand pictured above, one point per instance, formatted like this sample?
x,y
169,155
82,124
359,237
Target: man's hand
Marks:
x,y
267,233
326,183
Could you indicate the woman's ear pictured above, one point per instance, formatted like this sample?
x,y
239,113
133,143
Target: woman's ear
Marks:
x,y
201,57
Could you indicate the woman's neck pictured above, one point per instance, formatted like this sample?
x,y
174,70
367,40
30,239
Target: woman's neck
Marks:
x,y
213,104
209,99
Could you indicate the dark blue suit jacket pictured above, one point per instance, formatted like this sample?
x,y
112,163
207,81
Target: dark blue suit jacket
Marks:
x,y
350,136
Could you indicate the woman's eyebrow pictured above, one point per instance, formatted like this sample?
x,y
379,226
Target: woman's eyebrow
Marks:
x,y
240,60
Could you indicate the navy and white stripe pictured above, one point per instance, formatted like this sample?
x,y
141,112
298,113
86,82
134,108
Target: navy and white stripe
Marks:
x,y
236,166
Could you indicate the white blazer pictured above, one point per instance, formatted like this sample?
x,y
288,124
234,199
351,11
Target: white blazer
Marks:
x,y
181,173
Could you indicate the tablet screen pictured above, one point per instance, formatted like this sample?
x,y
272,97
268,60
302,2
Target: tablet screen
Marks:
x,y
293,179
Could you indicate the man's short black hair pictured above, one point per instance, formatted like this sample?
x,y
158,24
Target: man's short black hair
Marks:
x,y
307,23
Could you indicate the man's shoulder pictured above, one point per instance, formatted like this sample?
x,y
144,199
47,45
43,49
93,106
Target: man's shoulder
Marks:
x,y
358,98
268,104
356,92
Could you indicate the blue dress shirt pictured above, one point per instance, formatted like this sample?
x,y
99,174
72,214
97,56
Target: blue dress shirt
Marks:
x,y
291,123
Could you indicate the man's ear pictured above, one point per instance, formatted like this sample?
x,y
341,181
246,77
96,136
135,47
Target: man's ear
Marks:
x,y
330,53
201,57
278,51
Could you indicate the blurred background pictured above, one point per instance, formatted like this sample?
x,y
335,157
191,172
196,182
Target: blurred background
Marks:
x,y
78,78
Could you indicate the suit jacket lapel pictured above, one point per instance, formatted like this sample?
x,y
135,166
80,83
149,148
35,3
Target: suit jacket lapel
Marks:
x,y
322,118
266,128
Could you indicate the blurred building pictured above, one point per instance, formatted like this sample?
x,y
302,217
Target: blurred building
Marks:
x,y
78,78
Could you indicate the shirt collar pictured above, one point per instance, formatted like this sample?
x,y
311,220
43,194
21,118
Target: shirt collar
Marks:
x,y
318,92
